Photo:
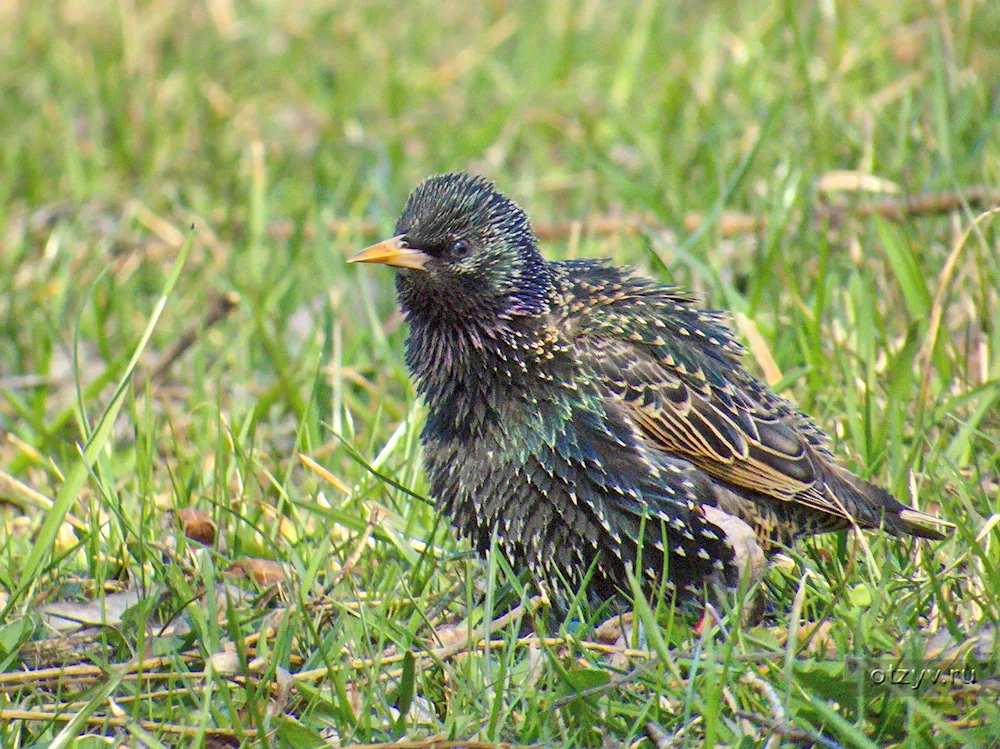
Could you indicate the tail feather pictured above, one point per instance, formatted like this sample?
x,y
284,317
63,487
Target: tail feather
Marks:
x,y
873,507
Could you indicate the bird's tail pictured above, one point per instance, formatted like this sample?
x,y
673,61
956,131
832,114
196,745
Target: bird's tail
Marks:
x,y
873,507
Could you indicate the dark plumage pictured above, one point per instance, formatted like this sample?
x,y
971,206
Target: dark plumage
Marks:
x,y
578,408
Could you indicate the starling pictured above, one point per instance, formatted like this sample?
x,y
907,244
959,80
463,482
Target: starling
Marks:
x,y
595,421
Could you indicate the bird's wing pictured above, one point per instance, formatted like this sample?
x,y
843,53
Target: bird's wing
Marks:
x,y
676,370
723,430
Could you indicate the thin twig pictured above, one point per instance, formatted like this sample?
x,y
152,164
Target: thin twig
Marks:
x,y
29,381
927,203
663,740
806,738
439,743
147,666
7,714
482,632
218,309
729,224
18,492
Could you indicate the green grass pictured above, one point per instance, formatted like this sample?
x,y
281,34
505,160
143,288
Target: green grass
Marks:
x,y
284,133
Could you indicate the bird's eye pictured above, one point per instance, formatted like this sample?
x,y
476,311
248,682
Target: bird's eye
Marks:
x,y
461,249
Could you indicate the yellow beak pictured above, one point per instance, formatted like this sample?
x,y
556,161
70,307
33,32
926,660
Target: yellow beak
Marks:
x,y
393,252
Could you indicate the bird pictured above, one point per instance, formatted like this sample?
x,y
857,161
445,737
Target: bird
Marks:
x,y
598,427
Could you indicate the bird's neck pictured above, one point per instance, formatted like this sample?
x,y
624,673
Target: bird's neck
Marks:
x,y
476,374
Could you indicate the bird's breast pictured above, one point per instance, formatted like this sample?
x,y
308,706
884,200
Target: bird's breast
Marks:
x,y
479,378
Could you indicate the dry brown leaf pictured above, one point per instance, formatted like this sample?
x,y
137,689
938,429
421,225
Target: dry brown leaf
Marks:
x,y
227,662
614,629
854,181
451,634
822,643
197,525
107,611
264,572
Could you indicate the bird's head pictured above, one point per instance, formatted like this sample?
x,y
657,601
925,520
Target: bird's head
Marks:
x,y
464,252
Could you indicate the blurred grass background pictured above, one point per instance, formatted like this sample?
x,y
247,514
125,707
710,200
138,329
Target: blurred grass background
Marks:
x,y
735,148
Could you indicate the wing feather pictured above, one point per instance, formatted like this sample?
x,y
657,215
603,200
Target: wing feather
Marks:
x,y
691,398
677,370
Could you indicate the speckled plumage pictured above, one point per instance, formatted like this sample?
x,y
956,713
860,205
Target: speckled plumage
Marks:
x,y
580,411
